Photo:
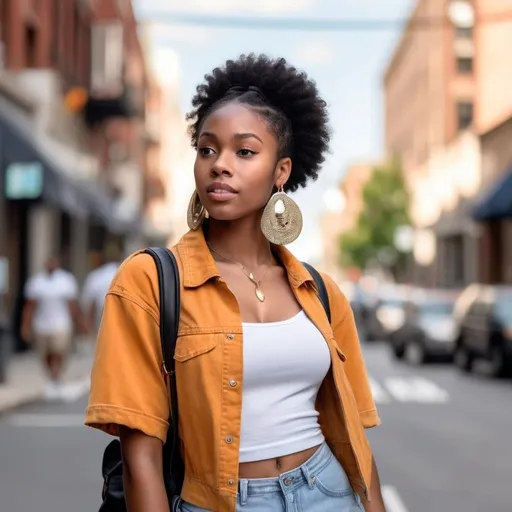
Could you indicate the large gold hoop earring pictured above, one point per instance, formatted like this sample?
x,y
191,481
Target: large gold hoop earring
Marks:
x,y
281,222
196,212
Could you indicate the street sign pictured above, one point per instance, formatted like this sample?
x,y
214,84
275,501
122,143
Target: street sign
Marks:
x,y
24,180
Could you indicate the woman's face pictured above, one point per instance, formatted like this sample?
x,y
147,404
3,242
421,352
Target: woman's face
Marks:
x,y
236,164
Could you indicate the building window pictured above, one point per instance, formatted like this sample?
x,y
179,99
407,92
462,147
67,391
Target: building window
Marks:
x,y
465,65
464,114
30,47
464,32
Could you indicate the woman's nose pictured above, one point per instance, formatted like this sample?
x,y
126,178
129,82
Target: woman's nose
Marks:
x,y
221,168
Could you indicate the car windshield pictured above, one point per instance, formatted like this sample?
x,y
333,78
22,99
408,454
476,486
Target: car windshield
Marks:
x,y
443,308
503,309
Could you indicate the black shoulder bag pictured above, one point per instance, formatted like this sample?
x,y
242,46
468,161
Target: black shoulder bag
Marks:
x,y
322,290
173,467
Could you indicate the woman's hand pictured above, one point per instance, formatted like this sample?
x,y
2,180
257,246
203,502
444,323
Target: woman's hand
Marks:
x,y
143,480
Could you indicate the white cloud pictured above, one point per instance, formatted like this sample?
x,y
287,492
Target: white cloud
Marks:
x,y
231,6
313,52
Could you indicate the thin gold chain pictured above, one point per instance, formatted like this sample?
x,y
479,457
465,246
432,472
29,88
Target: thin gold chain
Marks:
x,y
249,275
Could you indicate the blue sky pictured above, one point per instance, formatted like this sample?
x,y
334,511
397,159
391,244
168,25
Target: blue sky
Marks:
x,y
347,67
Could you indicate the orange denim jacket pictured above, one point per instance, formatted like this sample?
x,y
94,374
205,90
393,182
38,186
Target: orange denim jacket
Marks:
x,y
128,385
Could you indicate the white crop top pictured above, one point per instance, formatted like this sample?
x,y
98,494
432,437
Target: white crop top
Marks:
x,y
284,366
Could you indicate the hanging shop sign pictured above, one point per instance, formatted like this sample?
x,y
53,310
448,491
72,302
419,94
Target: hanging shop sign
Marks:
x,y
24,180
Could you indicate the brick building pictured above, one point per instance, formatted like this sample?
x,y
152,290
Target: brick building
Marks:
x,y
73,137
447,83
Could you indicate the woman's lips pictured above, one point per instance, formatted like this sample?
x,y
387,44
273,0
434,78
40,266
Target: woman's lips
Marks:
x,y
220,194
220,191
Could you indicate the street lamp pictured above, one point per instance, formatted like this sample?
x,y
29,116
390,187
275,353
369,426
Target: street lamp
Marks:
x,y
461,13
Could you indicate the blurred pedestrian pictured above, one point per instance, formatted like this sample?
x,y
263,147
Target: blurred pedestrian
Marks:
x,y
273,399
96,286
48,317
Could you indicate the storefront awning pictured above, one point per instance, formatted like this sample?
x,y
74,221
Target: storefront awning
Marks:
x,y
497,202
28,174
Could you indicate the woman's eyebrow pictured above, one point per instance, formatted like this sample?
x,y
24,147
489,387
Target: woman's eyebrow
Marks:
x,y
247,136
208,134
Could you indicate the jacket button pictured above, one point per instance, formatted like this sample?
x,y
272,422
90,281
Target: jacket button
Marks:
x,y
230,337
228,439
233,383
231,482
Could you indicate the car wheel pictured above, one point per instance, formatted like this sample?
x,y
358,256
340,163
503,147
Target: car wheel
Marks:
x,y
463,358
398,352
415,353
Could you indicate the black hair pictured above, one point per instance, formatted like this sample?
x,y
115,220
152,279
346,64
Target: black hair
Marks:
x,y
284,96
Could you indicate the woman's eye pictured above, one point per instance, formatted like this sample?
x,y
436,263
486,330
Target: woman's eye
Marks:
x,y
247,152
205,151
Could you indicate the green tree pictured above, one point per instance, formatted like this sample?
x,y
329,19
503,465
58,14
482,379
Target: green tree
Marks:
x,y
385,208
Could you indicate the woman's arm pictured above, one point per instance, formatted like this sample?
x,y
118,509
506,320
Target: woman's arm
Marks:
x,y
142,472
376,503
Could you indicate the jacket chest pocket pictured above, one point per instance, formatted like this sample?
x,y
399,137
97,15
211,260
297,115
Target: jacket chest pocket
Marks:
x,y
198,373
194,345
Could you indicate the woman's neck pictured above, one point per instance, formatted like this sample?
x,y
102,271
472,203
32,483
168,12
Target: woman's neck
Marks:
x,y
241,241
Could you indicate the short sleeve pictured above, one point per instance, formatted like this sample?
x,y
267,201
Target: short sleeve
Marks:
x,y
345,333
72,287
128,387
31,291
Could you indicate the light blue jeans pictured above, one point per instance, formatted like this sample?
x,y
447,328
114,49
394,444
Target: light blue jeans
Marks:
x,y
319,485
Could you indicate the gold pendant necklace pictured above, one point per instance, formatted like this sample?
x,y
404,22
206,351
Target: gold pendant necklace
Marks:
x,y
259,293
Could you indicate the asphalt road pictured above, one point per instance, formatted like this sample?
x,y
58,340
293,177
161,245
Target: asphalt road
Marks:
x,y
444,446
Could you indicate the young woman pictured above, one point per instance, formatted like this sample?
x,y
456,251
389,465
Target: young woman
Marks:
x,y
273,399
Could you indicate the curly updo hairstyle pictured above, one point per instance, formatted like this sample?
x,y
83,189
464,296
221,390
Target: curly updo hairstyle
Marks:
x,y
283,96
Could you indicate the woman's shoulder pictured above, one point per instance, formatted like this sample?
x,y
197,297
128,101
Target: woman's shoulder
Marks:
x,y
136,277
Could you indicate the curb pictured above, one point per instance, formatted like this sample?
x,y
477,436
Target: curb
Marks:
x,y
34,396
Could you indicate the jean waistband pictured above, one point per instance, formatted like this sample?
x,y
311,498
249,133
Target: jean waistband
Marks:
x,y
289,481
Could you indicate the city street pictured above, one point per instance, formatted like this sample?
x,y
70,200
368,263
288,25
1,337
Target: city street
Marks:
x,y
444,445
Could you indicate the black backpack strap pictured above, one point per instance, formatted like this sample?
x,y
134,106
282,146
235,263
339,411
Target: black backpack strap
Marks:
x,y
169,289
322,290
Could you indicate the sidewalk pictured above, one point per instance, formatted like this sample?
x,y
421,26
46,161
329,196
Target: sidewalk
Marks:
x,y
26,379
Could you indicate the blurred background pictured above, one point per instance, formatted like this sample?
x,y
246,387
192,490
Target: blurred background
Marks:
x,y
412,214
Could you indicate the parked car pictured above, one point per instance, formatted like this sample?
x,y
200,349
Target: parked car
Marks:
x,y
363,305
486,329
429,330
389,311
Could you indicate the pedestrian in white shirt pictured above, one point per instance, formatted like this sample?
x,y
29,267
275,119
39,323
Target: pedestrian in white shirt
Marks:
x,y
95,289
50,309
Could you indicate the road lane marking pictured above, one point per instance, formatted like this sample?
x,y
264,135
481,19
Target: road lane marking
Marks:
x,y
392,499
46,420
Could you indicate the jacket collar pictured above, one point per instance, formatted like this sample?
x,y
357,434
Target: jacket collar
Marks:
x,y
199,265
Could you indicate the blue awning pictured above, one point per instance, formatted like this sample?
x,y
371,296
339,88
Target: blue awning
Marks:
x,y
497,202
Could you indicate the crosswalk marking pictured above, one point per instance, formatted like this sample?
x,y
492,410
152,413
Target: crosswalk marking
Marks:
x,y
392,499
408,389
379,394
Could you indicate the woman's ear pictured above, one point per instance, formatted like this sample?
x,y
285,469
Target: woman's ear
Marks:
x,y
282,171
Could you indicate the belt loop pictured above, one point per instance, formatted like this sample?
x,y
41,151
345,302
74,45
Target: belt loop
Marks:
x,y
305,471
244,484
